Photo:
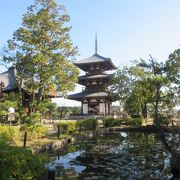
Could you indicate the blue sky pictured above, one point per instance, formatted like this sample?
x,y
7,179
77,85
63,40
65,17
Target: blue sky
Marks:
x,y
127,29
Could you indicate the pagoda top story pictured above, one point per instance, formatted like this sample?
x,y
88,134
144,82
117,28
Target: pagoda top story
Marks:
x,y
105,63
100,61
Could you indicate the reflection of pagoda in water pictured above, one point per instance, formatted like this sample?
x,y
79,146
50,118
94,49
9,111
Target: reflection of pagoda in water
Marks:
x,y
95,98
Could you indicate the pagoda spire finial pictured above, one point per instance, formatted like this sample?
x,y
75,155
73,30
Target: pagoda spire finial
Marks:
x,y
96,48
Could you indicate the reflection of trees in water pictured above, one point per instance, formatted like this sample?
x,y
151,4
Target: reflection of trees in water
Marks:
x,y
172,144
139,156
65,173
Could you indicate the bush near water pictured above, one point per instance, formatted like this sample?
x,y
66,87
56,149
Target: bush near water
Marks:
x,y
10,134
14,134
17,162
20,163
88,124
67,127
111,122
34,131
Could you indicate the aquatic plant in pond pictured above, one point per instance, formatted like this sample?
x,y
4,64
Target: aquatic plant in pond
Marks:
x,y
132,156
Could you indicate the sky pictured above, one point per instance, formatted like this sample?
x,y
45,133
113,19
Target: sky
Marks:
x,y
127,29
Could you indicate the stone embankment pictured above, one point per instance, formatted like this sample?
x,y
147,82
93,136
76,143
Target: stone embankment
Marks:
x,y
55,145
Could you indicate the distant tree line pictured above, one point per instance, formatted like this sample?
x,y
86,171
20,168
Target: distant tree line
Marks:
x,y
148,87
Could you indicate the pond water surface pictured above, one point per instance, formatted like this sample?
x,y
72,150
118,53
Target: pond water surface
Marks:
x,y
114,156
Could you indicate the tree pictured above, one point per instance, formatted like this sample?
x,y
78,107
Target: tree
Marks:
x,y
142,90
158,80
173,66
8,101
42,52
120,85
133,89
146,87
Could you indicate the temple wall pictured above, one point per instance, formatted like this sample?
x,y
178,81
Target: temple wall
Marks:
x,y
102,109
106,108
85,108
110,108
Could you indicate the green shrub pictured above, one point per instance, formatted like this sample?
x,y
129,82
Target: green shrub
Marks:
x,y
67,127
20,163
132,122
135,116
163,119
33,118
111,122
63,126
88,124
9,133
40,131
136,121
35,131
79,123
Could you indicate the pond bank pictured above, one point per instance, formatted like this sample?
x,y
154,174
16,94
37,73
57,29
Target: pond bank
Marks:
x,y
57,144
53,145
145,129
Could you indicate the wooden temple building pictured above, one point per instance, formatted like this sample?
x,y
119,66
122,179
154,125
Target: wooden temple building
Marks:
x,y
95,98
8,85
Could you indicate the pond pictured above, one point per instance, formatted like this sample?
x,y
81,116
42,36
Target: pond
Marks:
x,y
114,156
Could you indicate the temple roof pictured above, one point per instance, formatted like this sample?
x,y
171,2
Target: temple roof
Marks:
x,y
8,82
84,64
94,76
102,77
79,96
8,78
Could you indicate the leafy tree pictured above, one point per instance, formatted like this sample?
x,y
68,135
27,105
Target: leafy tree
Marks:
x,y
121,86
173,66
132,105
42,52
158,79
5,105
75,110
133,89
143,91
146,86
11,100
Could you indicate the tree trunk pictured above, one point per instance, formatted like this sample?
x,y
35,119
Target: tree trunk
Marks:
x,y
31,100
144,110
156,110
20,92
39,95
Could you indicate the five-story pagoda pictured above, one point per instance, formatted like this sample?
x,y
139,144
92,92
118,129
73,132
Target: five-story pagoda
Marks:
x,y
95,98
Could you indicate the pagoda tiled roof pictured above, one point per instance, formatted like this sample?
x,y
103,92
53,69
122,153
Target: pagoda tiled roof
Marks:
x,y
93,59
96,58
84,94
94,76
